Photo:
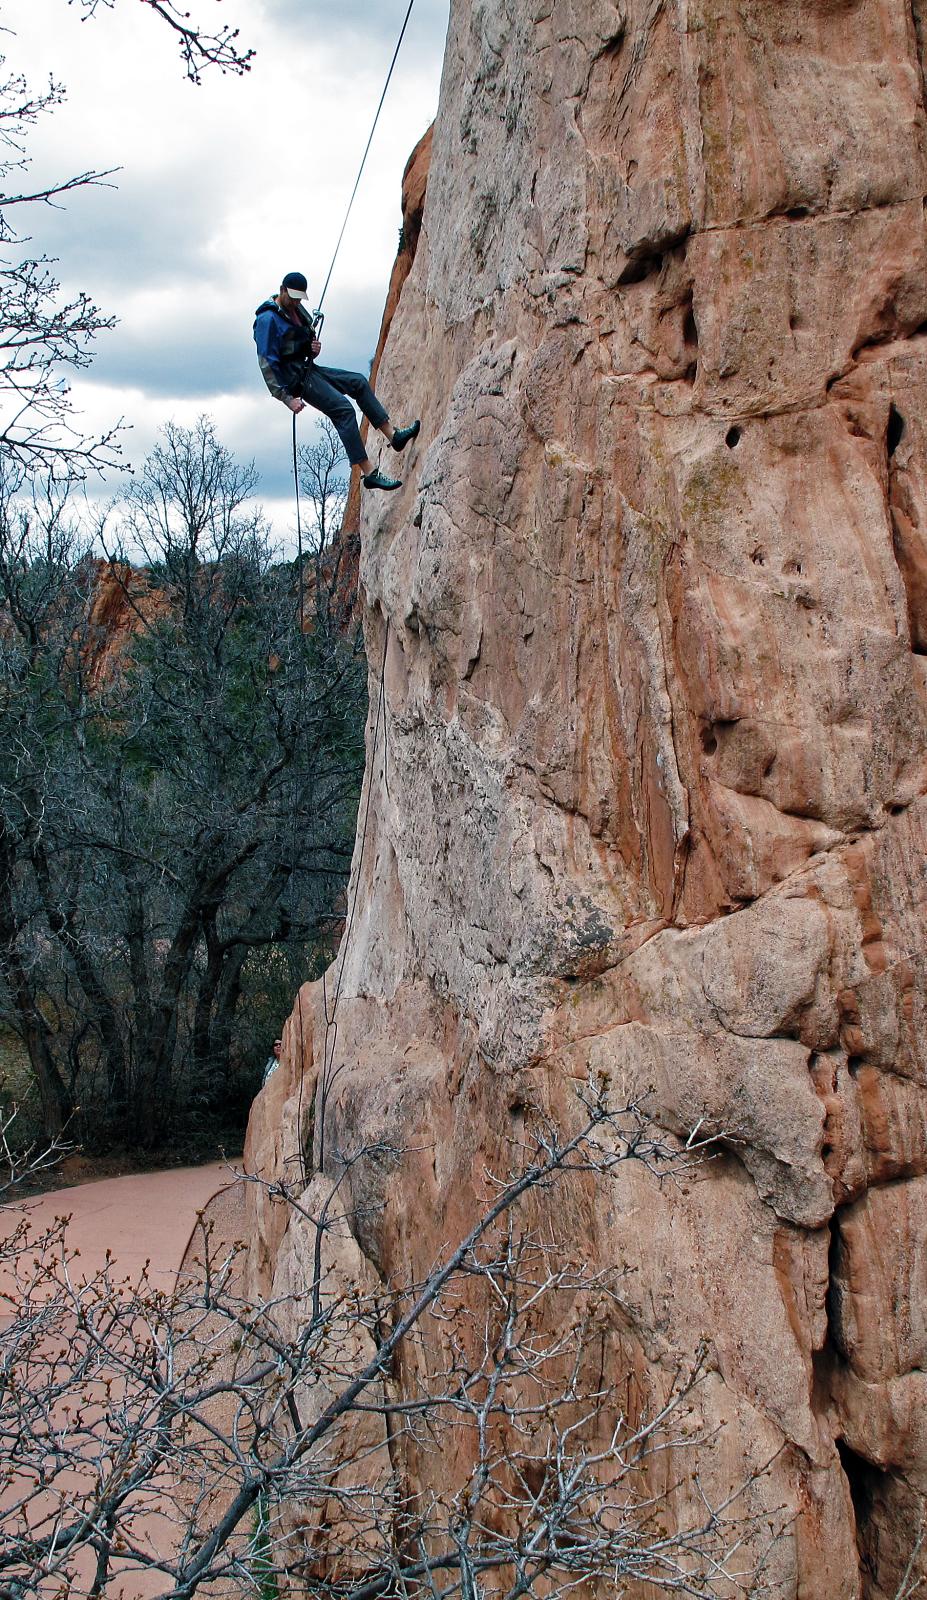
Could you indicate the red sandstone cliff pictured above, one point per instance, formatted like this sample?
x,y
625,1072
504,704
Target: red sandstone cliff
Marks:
x,y
414,184
656,710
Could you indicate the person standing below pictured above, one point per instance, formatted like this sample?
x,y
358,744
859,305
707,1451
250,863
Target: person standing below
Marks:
x,y
272,1062
287,347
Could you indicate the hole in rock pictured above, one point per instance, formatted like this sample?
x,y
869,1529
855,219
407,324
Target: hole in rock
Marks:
x,y
639,268
709,741
732,438
896,809
770,763
613,47
856,426
826,1150
796,213
854,1064
690,341
895,431
862,1478
758,557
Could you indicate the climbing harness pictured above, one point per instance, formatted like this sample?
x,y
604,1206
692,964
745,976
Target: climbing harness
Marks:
x,y
329,1071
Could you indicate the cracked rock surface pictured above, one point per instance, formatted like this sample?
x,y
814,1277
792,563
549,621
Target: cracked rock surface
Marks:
x,y
647,775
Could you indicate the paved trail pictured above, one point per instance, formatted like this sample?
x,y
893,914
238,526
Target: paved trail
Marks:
x,y
146,1216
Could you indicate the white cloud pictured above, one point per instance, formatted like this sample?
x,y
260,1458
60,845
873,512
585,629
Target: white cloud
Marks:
x,y
223,188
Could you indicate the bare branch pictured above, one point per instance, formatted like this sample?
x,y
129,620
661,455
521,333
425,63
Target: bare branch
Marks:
x,y
272,1437
198,48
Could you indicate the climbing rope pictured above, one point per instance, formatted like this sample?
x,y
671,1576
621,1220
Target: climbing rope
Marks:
x,y
299,540
366,153
329,1071
300,703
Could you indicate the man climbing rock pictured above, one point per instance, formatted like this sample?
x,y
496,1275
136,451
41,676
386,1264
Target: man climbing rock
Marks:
x,y
287,347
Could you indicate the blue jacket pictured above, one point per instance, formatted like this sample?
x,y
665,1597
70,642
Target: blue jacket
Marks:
x,y
283,349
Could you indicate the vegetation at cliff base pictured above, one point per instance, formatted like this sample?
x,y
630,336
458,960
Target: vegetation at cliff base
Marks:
x,y
181,746
181,726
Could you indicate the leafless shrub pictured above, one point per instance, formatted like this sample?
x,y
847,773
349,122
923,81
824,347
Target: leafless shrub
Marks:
x,y
22,1163
911,1582
457,1436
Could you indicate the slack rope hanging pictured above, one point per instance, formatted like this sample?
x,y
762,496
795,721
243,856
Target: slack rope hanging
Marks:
x,y
299,529
360,172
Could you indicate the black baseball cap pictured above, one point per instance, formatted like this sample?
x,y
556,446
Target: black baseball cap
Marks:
x,y
296,286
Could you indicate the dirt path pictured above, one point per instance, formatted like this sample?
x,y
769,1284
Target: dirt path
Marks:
x,y
145,1216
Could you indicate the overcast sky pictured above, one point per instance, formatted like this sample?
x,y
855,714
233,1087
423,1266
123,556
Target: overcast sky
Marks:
x,y
223,188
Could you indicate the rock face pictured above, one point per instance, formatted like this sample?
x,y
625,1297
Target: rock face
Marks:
x,y
414,184
651,797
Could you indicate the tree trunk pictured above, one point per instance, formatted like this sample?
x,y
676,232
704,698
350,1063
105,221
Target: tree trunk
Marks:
x,y
57,1108
101,1012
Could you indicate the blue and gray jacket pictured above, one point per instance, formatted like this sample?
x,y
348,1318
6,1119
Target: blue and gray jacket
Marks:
x,y
284,351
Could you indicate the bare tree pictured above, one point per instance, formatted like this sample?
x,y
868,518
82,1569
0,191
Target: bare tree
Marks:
x,y
42,338
283,1443
178,789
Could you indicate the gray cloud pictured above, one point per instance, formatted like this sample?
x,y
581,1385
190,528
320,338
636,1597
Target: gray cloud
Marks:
x,y
364,31
181,362
146,231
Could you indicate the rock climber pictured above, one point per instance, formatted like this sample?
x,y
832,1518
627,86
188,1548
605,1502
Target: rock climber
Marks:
x,y
287,347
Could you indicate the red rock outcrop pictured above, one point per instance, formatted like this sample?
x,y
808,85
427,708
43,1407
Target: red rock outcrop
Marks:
x,y
656,723
414,186
121,601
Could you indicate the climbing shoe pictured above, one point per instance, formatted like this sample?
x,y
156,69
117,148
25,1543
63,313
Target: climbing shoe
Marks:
x,y
402,436
376,480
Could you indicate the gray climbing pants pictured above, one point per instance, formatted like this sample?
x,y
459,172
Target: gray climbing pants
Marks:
x,y
327,389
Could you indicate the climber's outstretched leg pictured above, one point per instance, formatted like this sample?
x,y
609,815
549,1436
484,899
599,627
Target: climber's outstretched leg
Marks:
x,y
326,388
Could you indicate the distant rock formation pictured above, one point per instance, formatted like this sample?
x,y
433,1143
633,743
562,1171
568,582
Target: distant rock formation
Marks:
x,y
121,600
651,802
